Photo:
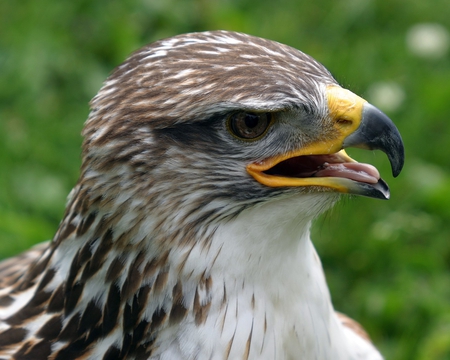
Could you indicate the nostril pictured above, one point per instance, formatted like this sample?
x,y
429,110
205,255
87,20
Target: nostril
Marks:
x,y
344,122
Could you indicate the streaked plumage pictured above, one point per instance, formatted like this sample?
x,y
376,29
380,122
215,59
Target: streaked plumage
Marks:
x,y
182,239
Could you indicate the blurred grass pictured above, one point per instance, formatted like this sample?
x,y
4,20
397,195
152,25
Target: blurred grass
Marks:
x,y
387,263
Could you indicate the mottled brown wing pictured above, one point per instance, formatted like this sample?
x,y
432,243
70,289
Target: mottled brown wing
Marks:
x,y
354,326
11,269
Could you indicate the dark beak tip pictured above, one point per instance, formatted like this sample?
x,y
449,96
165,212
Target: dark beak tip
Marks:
x,y
397,155
396,170
379,190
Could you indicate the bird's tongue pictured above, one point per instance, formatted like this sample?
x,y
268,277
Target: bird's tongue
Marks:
x,y
351,170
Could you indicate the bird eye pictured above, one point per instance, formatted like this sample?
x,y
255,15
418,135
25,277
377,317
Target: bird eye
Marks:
x,y
249,126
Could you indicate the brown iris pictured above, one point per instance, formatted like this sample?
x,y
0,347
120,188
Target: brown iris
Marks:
x,y
249,125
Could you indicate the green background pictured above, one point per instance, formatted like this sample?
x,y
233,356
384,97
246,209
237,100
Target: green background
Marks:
x,y
387,262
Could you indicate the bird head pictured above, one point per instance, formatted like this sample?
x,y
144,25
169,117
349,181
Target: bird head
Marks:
x,y
212,123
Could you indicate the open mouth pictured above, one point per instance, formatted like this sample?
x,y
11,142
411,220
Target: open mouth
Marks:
x,y
332,165
336,172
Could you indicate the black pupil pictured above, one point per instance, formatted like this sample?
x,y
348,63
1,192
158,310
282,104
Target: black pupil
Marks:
x,y
251,120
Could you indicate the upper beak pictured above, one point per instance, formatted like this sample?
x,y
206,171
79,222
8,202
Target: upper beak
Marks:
x,y
377,132
324,163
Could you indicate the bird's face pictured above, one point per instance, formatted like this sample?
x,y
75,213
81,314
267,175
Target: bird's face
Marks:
x,y
212,123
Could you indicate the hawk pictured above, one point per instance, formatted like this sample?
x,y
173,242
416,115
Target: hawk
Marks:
x,y
205,159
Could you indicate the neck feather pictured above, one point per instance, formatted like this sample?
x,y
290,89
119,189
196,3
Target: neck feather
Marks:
x,y
249,284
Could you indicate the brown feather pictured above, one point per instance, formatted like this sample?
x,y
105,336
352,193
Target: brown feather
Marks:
x,y
354,326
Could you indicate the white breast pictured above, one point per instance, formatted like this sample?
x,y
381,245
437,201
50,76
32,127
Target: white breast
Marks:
x,y
270,299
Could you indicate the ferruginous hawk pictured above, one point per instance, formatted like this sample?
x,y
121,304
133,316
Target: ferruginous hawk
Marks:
x,y
205,158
